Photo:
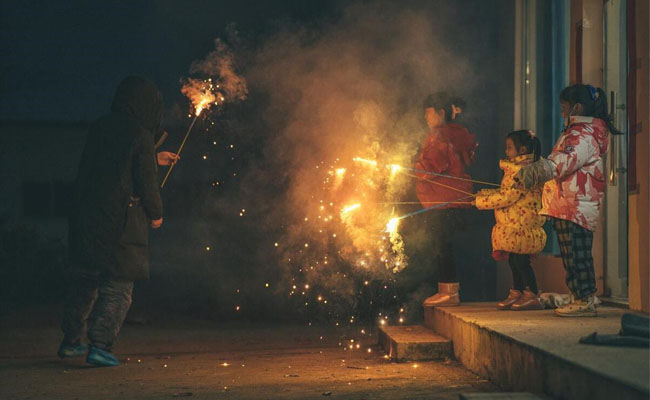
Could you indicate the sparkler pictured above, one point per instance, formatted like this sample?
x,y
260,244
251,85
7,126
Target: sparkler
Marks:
x,y
392,225
395,168
365,161
202,94
187,134
347,209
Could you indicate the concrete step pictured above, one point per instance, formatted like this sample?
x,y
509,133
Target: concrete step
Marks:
x,y
414,343
499,396
538,352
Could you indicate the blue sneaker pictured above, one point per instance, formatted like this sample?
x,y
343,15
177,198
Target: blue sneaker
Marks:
x,y
101,358
67,350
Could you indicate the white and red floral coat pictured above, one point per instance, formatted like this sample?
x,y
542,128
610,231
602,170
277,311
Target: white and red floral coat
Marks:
x,y
575,192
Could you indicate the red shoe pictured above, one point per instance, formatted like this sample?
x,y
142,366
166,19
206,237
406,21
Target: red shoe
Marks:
x,y
512,298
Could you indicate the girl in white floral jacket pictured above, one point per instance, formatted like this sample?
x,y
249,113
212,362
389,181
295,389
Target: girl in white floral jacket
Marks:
x,y
574,183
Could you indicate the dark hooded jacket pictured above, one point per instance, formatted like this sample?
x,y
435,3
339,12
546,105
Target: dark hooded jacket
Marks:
x,y
116,193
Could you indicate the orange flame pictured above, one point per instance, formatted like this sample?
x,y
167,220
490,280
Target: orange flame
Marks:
x,y
202,94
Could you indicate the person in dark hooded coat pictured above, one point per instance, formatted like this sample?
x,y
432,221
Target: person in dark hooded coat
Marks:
x,y
116,198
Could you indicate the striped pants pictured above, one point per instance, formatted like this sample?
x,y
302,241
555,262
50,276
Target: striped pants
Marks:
x,y
575,245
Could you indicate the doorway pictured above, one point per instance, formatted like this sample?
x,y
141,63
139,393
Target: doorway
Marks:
x,y
615,206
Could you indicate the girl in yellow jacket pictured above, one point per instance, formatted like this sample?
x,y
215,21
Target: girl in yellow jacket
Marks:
x,y
518,231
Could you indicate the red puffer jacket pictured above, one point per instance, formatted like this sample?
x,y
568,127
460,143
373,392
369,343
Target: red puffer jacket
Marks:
x,y
447,150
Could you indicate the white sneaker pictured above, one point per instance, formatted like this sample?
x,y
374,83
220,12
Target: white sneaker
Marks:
x,y
579,308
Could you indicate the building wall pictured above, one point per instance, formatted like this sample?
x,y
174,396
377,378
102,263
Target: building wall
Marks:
x,y
639,204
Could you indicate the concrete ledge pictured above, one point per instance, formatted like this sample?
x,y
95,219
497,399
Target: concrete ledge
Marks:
x,y
498,396
536,351
414,343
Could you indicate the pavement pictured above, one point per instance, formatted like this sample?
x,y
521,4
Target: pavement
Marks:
x,y
183,357
539,352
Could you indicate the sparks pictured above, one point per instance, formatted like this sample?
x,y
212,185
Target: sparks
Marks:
x,y
392,225
347,209
365,161
201,93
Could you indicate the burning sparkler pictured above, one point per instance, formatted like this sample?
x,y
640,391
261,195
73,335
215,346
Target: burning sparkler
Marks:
x,y
391,226
347,209
372,163
204,93
395,168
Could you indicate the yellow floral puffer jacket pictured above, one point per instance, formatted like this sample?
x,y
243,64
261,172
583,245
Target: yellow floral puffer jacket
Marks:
x,y
519,225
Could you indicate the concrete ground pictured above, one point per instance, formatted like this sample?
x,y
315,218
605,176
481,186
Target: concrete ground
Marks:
x,y
206,360
539,351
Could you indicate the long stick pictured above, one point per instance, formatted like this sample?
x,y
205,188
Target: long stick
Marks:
x,y
437,183
429,208
451,176
178,153
420,171
424,202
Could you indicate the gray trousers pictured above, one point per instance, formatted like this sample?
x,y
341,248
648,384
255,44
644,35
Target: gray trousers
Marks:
x,y
98,306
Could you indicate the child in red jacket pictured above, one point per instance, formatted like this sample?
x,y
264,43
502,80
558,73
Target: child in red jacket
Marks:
x,y
447,150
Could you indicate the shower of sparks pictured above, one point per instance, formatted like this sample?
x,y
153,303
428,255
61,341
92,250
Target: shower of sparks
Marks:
x,y
392,225
347,209
365,161
203,93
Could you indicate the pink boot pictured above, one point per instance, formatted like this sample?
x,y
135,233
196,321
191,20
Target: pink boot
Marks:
x,y
528,301
447,295
512,298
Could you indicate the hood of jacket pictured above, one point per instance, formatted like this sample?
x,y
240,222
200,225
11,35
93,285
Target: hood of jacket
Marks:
x,y
512,166
139,98
596,126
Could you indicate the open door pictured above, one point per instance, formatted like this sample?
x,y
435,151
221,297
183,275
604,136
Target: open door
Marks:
x,y
616,194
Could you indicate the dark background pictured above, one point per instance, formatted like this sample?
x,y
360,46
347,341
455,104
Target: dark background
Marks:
x,y
61,62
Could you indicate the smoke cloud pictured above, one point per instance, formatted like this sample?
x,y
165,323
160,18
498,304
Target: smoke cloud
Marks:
x,y
348,90
297,222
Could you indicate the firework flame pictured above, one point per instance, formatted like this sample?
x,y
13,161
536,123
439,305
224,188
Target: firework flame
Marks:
x,y
202,94
391,226
347,209
365,161
221,82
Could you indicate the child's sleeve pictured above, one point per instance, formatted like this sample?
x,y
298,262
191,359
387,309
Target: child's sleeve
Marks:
x,y
575,152
498,199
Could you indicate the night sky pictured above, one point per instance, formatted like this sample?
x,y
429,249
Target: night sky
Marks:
x,y
61,60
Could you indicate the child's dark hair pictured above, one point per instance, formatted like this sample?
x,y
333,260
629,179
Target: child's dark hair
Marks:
x,y
593,100
441,101
527,139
